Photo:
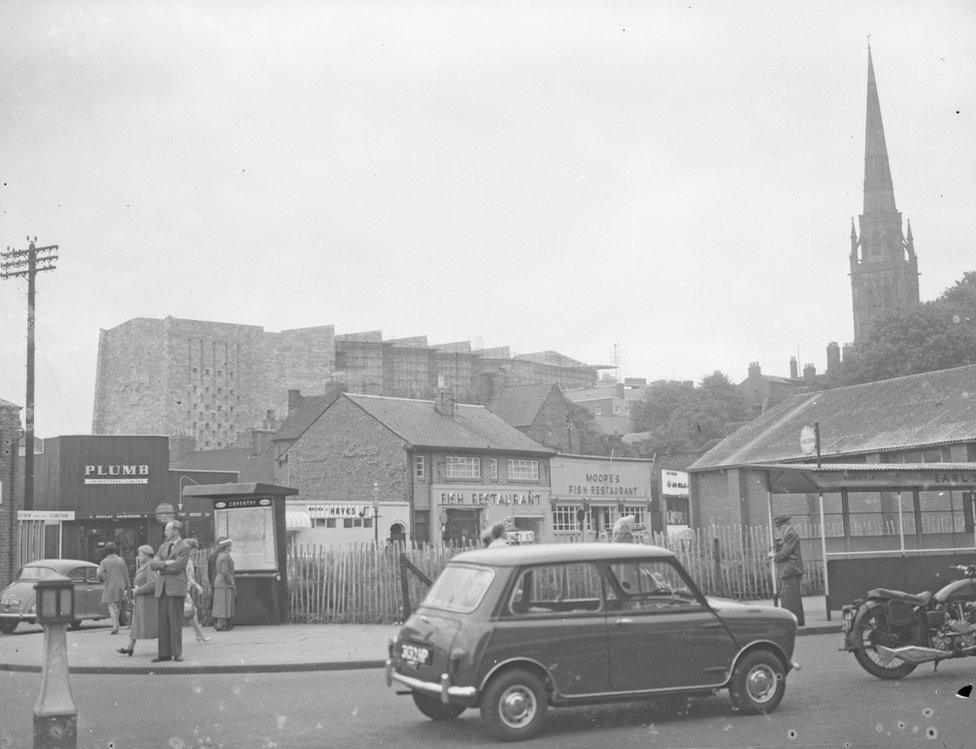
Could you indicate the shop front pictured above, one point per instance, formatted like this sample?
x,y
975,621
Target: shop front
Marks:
x,y
467,513
330,523
94,489
589,494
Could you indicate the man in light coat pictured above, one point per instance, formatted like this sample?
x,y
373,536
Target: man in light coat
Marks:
x,y
170,563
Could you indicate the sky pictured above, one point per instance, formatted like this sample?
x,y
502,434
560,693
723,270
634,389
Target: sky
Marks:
x,y
665,186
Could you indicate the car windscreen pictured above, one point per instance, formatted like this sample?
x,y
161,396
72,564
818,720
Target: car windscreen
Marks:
x,y
459,589
32,573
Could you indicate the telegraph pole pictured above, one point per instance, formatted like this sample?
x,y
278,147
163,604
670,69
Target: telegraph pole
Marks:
x,y
28,263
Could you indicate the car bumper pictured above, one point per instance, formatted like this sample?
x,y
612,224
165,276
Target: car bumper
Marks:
x,y
447,691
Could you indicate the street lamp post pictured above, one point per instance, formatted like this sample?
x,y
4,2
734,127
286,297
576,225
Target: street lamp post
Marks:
x,y
55,714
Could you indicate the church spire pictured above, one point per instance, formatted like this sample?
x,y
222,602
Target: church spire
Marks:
x,y
879,193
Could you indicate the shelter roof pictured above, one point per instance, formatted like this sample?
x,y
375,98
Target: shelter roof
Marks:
x,y
933,408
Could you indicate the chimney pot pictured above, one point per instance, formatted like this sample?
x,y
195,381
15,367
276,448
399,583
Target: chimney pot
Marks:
x,y
294,398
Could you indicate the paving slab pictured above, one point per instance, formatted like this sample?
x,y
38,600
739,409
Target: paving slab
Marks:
x,y
253,649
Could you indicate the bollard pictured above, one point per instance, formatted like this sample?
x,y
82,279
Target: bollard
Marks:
x,y
55,714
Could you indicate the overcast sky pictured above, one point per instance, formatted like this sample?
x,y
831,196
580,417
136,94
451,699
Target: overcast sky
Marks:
x,y
677,179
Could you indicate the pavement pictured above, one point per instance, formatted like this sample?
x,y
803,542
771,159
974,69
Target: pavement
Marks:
x,y
256,649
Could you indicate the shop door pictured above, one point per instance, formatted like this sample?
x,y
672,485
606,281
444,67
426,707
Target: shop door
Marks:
x,y
461,528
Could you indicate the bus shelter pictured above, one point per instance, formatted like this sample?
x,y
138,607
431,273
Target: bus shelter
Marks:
x,y
891,525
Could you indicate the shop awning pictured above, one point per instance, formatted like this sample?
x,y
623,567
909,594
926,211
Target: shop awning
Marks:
x,y
295,520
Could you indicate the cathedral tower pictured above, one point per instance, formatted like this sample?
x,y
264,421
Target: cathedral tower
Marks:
x,y
884,268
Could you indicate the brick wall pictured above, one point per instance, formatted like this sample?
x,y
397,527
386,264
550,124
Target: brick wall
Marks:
x,y
9,437
342,454
549,427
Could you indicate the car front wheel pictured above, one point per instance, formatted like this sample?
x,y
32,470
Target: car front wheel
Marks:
x,y
514,705
434,709
8,626
758,683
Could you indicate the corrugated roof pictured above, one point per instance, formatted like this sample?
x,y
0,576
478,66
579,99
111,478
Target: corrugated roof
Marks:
x,y
518,405
932,408
302,416
471,427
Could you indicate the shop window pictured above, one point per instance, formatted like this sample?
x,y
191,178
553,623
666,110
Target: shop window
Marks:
x,y
367,522
419,467
330,522
564,518
597,411
523,470
637,511
462,467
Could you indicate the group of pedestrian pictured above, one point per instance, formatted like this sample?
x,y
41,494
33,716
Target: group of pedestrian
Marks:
x,y
163,591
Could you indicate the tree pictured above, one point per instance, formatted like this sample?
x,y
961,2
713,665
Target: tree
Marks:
x,y
921,338
592,440
681,417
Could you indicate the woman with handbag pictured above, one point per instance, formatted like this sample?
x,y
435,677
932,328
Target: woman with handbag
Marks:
x,y
224,586
189,605
143,625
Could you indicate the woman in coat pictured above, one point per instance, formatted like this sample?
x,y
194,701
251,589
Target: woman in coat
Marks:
x,y
143,601
224,587
114,573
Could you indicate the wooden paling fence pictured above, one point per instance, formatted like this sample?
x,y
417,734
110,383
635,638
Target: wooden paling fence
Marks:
x,y
361,583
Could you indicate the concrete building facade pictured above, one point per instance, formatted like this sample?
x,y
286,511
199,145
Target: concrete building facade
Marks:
x,y
213,381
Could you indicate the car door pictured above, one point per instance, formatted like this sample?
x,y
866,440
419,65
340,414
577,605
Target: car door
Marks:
x,y
95,589
555,616
661,634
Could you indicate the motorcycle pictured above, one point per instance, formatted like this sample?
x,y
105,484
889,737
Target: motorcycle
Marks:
x,y
892,632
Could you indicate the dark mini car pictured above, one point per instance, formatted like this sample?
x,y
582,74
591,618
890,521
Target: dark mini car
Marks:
x,y
17,602
516,630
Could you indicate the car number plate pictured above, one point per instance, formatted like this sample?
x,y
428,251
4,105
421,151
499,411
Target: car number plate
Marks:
x,y
416,654
845,622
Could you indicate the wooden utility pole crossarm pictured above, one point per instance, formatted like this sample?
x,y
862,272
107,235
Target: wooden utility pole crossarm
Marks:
x,y
28,263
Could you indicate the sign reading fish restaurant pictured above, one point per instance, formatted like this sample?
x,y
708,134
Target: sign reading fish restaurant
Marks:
x,y
119,474
482,496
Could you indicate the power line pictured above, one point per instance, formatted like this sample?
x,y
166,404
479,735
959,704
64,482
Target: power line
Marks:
x,y
28,263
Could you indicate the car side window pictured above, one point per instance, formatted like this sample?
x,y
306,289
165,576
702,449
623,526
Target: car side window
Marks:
x,y
78,574
649,585
561,589
93,577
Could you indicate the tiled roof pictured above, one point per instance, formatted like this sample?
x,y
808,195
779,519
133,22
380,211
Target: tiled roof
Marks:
x,y
906,412
518,405
302,416
471,427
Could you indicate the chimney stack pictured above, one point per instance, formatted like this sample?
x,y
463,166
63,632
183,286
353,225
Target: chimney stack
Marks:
x,y
294,398
444,400
754,370
833,359
794,369
809,372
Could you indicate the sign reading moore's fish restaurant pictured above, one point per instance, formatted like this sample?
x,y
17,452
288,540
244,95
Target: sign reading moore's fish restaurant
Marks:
x,y
600,479
116,474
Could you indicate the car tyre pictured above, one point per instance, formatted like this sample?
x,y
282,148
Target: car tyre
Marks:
x,y
434,709
74,624
514,705
758,683
7,627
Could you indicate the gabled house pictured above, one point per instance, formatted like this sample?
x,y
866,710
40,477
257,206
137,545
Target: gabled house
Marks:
x,y
433,471
541,412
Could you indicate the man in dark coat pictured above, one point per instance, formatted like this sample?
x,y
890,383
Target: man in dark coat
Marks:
x,y
789,566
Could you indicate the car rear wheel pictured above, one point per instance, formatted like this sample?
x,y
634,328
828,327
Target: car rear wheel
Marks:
x,y
8,626
76,624
758,683
514,705
434,709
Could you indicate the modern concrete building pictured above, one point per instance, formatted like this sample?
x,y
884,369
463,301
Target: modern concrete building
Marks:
x,y
211,382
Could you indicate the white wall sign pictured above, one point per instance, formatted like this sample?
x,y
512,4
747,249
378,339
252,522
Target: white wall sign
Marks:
x,y
48,516
674,483
117,474
340,510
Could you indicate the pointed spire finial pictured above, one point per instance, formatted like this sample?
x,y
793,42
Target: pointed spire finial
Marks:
x,y
869,42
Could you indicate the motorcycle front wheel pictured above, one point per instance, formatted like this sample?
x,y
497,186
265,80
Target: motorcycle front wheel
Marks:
x,y
870,631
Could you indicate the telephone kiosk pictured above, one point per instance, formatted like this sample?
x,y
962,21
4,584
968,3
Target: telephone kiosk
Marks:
x,y
252,516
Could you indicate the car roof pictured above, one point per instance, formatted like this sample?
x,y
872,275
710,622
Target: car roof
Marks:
x,y
513,556
60,565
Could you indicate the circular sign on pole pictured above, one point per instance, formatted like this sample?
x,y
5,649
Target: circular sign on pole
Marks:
x,y
808,440
165,511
